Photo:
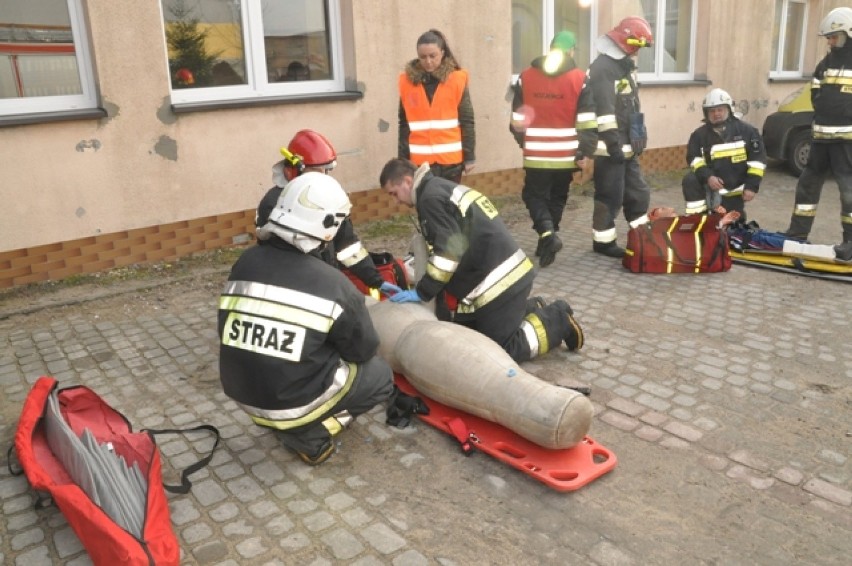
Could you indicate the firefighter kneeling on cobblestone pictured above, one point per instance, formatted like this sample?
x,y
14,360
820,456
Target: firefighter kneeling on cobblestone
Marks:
x,y
476,272
298,347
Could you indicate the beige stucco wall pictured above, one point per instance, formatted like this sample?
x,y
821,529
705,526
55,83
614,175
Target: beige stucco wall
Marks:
x,y
153,167
146,166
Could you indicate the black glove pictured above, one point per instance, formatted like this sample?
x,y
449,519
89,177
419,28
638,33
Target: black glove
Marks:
x,y
402,406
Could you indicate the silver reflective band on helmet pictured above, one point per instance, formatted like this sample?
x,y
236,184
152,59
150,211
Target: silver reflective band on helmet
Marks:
x,y
839,19
313,204
718,97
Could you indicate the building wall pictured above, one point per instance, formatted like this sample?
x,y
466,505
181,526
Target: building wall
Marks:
x,y
145,184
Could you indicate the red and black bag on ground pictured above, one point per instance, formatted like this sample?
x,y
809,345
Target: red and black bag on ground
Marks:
x,y
390,268
691,243
109,541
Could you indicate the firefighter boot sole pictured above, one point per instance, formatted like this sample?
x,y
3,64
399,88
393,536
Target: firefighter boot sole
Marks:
x,y
323,454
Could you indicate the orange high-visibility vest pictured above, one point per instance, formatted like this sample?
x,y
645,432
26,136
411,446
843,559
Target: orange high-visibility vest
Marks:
x,y
550,140
435,131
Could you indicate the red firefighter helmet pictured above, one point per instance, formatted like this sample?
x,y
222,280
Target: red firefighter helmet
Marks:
x,y
184,76
631,34
311,149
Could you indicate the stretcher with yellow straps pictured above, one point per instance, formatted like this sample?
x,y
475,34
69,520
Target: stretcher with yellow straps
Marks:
x,y
797,261
752,245
824,268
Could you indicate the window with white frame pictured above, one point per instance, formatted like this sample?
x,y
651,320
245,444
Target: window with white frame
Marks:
x,y
788,38
221,50
45,64
672,56
535,22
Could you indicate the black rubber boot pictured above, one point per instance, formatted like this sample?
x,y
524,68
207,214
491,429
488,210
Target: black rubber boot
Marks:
x,y
573,335
321,455
843,251
800,227
550,244
609,249
535,303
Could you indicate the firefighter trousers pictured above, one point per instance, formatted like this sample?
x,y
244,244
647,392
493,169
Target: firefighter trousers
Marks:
x,y
373,384
505,320
695,191
618,186
825,158
545,195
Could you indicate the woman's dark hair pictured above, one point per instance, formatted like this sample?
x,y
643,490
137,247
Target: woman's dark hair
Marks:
x,y
435,37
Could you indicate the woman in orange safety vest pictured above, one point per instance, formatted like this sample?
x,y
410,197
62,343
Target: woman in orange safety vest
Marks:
x,y
436,124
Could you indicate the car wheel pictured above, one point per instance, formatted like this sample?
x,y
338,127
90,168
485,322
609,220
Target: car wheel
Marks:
x,y
798,150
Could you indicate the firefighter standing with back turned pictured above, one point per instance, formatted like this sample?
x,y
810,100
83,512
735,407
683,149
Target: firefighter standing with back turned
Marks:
x,y
551,111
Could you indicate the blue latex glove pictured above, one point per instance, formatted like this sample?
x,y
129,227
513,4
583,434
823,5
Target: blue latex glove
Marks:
x,y
389,289
406,297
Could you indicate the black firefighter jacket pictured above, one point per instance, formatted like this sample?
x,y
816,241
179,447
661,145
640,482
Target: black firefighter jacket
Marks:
x,y
286,319
737,156
616,97
831,95
474,257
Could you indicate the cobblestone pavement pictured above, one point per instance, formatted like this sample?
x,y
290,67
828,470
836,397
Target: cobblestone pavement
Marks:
x,y
726,398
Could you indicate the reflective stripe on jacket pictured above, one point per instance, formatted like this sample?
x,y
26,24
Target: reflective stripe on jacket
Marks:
x,y
551,138
831,94
290,329
616,96
435,135
474,257
737,156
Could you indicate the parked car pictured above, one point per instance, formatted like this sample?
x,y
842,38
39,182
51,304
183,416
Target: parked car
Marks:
x,y
787,132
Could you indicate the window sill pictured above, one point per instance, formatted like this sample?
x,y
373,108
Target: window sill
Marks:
x,y
45,117
186,107
802,79
670,83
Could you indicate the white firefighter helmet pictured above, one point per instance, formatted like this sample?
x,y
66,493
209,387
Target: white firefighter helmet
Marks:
x,y
839,19
310,211
718,97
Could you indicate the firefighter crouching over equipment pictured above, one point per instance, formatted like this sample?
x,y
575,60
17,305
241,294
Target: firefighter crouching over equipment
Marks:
x,y
311,151
298,348
476,271
726,158
552,109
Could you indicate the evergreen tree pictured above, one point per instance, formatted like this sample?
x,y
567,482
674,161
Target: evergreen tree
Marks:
x,y
189,63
